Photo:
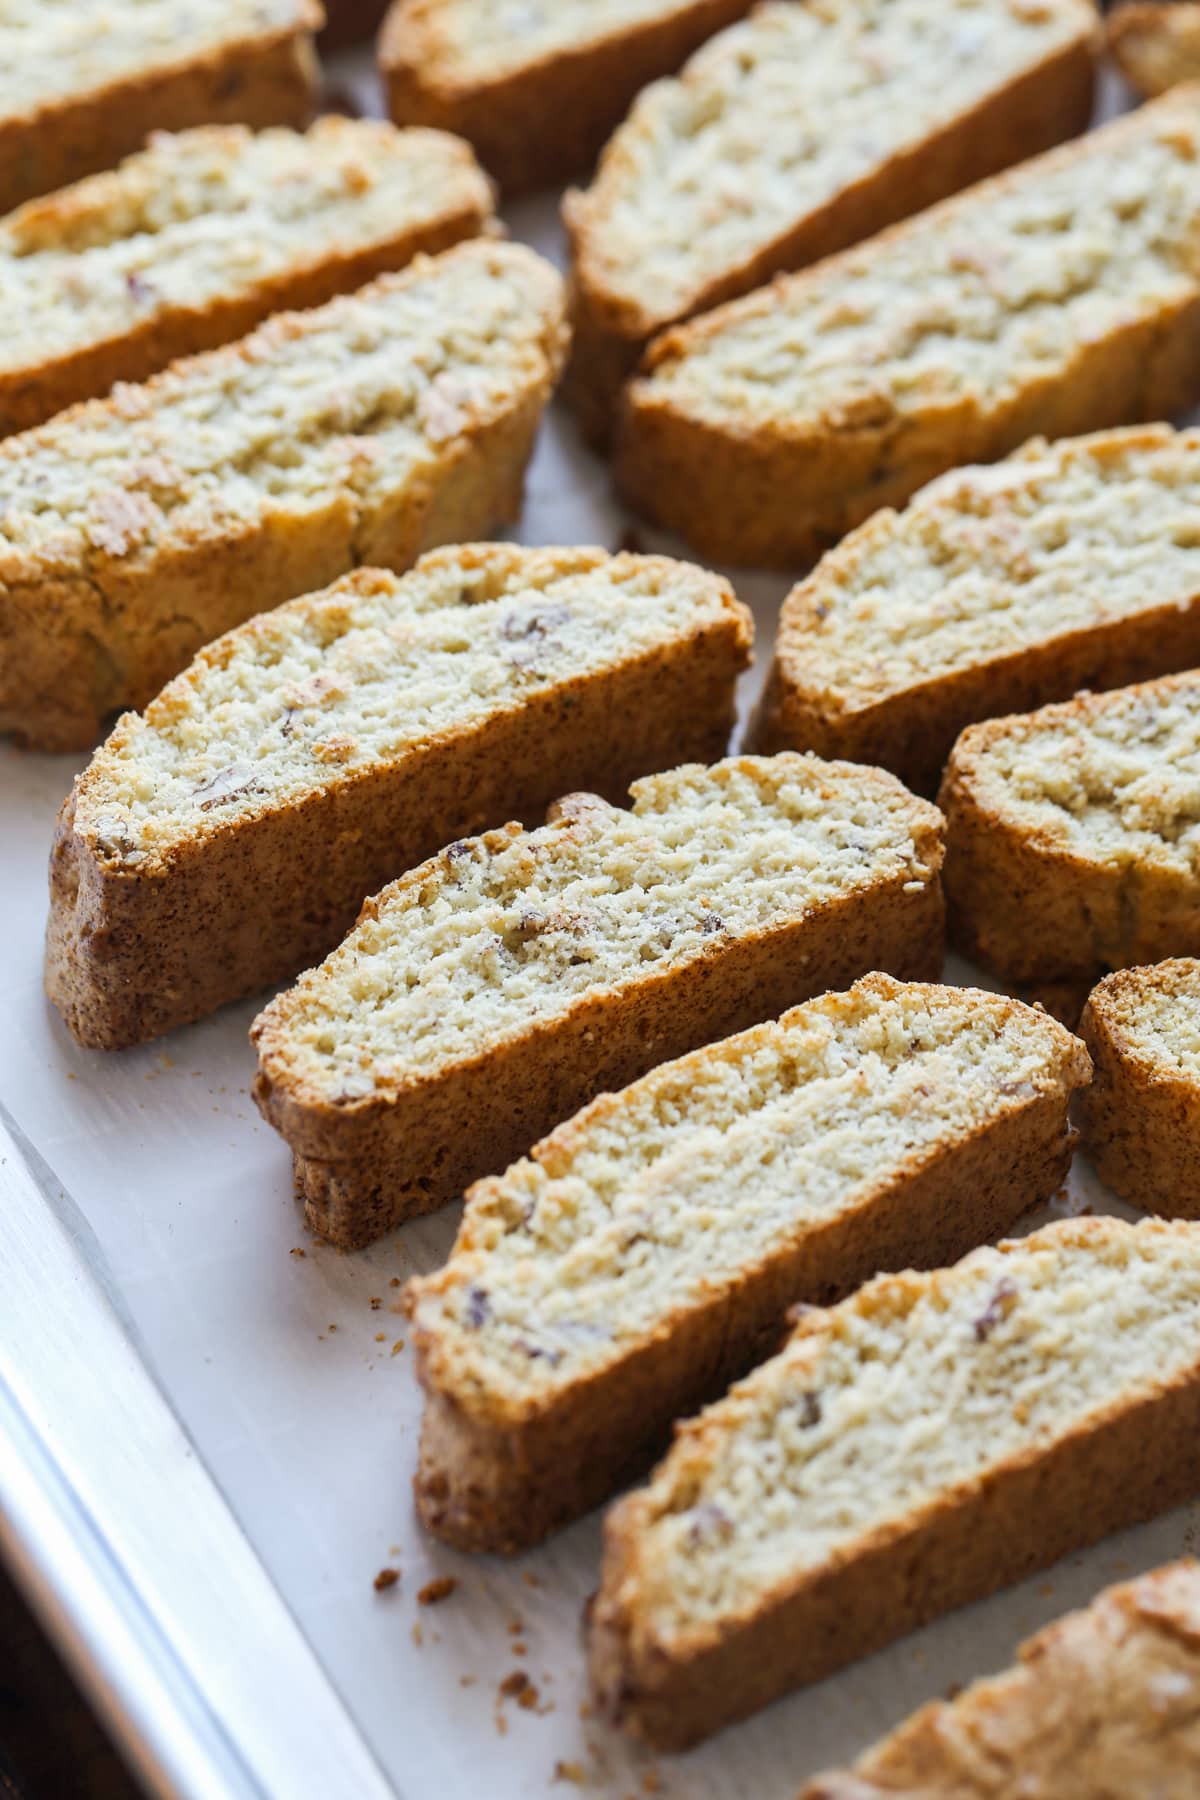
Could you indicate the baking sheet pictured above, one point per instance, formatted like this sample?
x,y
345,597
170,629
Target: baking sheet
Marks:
x,y
287,1364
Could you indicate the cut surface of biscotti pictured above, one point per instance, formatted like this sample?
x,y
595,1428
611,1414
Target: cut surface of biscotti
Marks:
x,y
1100,1705
226,837
1061,297
1073,833
648,1250
889,1463
1069,565
1156,44
486,995
797,132
536,85
83,82
1142,1113
135,529
200,236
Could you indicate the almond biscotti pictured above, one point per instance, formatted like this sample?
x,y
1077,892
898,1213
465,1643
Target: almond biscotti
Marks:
x,y
892,1462
84,82
1061,297
536,87
200,236
488,994
1073,834
1156,44
135,529
225,838
998,588
648,1250
1101,1704
1142,1113
796,133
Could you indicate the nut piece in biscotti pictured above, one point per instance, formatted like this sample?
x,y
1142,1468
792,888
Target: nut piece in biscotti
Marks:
x,y
929,1440
1100,1705
1073,834
485,996
135,529
225,839
998,588
200,236
647,1252
1141,1115
1156,44
1061,297
535,85
84,82
795,133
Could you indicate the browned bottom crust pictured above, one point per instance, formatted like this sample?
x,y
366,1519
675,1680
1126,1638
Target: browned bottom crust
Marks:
x,y
483,1487
359,1176
1139,1462
1141,1129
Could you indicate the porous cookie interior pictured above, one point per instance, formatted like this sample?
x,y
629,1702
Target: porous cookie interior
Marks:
x,y
1156,1014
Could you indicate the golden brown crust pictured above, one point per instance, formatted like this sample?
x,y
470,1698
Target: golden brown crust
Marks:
x,y
1048,103
544,120
494,1484
1156,43
1141,1116
266,76
131,953
1100,1704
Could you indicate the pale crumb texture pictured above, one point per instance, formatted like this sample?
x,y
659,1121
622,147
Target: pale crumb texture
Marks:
x,y
358,397
989,561
1156,43
469,41
1102,1705
56,50
1153,1014
1110,779
975,301
340,686
651,1202
509,931
776,117
902,1400
203,217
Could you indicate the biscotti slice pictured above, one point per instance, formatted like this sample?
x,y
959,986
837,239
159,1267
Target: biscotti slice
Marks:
x,y
922,1444
1100,1706
1061,297
488,994
535,87
1069,565
1141,1115
648,1251
225,838
135,529
1073,833
84,82
202,235
796,133
1155,44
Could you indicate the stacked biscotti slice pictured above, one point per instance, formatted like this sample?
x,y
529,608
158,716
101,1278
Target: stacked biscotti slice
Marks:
x,y
226,838
1069,565
794,134
1101,1703
648,1250
135,529
536,89
1060,297
83,82
200,236
1073,834
490,992
1156,42
1141,1114
925,1442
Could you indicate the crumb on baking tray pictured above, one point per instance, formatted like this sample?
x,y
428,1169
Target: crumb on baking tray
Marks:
x,y
386,1578
437,1590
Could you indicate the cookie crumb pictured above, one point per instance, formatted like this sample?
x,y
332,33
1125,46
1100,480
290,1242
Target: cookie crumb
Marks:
x,y
570,1771
298,1251
395,1281
398,1346
516,1684
375,1302
434,1592
386,1578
